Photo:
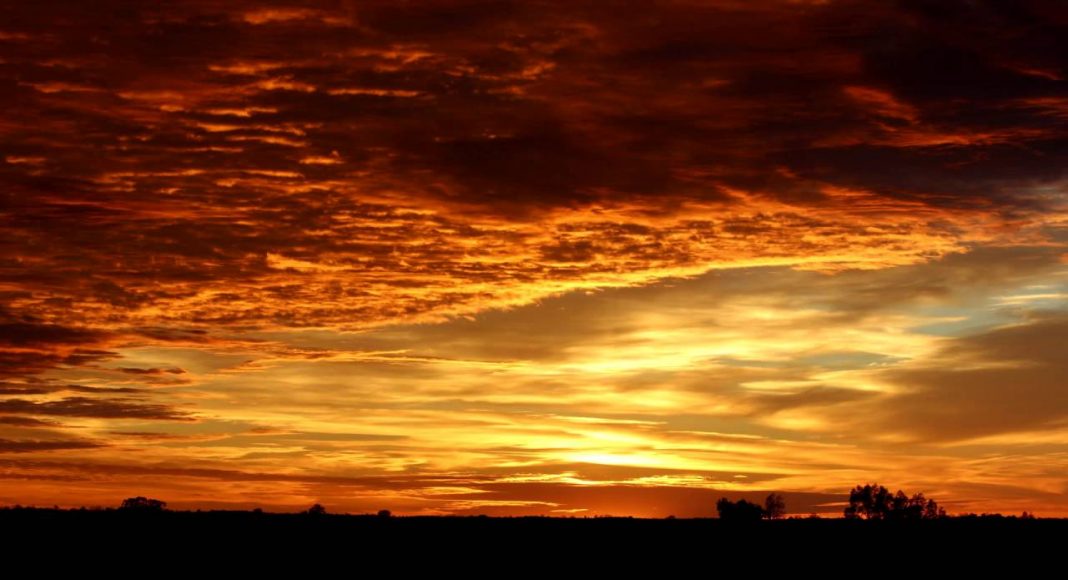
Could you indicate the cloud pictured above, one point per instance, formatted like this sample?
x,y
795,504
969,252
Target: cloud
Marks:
x,y
87,407
1008,379
29,335
151,371
32,446
493,169
25,422
41,388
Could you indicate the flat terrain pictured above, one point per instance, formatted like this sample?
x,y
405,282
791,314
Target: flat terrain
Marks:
x,y
536,539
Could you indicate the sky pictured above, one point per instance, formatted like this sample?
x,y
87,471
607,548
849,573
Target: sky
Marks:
x,y
563,258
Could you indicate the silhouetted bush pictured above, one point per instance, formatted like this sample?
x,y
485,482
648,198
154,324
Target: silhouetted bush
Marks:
x,y
740,511
143,504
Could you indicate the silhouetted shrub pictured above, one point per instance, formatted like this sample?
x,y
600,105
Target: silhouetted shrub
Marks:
x,y
143,504
740,511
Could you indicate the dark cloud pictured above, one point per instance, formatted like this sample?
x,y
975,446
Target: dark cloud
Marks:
x,y
31,362
99,390
33,335
32,446
17,421
215,135
41,388
984,51
152,371
87,407
147,435
1006,380
28,348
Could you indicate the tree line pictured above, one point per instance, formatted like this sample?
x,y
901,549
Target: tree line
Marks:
x,y
866,502
869,502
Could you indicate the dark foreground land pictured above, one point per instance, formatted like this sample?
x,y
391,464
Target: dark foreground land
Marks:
x,y
450,542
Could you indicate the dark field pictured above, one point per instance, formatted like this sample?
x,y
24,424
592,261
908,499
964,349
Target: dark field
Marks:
x,y
540,541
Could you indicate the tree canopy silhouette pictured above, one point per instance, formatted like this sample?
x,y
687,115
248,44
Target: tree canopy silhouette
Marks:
x,y
774,507
739,511
316,510
875,502
143,504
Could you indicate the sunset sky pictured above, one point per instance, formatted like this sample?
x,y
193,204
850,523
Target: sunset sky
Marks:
x,y
563,258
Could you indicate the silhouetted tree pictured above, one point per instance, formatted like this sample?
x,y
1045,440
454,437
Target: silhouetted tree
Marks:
x,y
774,506
875,502
933,511
740,511
143,504
316,510
915,508
870,502
384,513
